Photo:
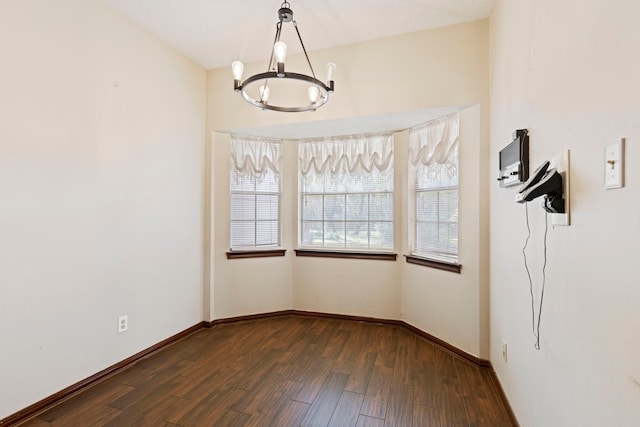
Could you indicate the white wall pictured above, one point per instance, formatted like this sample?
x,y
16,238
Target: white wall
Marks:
x,y
569,73
450,306
101,194
429,69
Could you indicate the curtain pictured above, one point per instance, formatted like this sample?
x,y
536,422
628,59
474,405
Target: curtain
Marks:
x,y
435,143
346,155
255,157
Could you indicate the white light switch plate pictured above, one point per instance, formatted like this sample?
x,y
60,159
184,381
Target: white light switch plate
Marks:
x,y
614,165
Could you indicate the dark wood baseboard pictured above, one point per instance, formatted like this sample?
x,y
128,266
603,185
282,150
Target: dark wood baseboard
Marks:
x,y
80,386
249,317
48,402
440,343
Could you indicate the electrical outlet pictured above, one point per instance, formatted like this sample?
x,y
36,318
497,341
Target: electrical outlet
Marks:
x,y
504,351
123,324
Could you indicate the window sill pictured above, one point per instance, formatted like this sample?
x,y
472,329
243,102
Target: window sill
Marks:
x,y
255,253
440,265
383,256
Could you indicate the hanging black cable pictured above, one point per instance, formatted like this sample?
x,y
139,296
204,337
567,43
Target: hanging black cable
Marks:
x,y
536,324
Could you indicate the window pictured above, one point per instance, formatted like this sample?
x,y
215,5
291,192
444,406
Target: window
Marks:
x,y
433,174
346,193
255,193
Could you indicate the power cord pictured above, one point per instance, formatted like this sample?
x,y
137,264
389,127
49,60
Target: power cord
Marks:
x,y
536,326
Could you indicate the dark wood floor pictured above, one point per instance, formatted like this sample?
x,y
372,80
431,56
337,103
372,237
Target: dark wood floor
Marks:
x,y
291,371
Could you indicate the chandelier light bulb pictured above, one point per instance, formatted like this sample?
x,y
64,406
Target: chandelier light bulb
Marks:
x,y
237,68
264,93
280,49
331,71
314,94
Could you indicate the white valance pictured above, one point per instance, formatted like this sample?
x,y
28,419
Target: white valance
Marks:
x,y
254,156
435,142
346,155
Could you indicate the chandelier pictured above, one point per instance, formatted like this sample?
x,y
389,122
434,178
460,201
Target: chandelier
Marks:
x,y
255,89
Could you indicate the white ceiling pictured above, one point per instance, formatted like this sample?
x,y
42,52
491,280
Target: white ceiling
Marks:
x,y
214,33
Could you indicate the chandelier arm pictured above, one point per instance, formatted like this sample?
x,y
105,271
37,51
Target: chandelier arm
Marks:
x,y
295,25
273,46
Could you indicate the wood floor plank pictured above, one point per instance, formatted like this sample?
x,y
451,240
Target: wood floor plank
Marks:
x,y
377,396
426,416
426,387
162,385
388,345
481,403
233,419
425,350
85,402
312,384
34,422
144,413
400,406
448,398
291,371
361,374
347,410
364,421
291,413
273,408
275,389
325,403
208,411
403,369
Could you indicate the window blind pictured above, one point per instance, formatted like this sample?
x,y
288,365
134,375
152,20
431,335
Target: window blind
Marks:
x,y
255,193
433,171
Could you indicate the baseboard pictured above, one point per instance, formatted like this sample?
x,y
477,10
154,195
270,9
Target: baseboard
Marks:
x,y
435,340
249,317
44,404
48,402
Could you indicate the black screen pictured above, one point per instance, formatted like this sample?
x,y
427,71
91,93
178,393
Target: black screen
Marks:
x,y
510,154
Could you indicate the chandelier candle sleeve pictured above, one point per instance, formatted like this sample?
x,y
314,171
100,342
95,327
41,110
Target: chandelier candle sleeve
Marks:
x,y
237,68
331,71
280,50
258,95
314,94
